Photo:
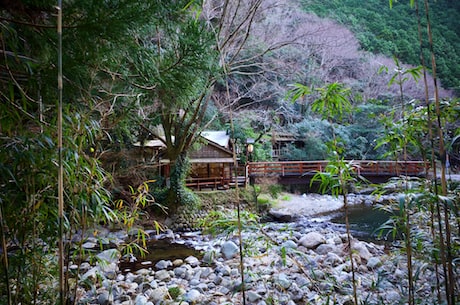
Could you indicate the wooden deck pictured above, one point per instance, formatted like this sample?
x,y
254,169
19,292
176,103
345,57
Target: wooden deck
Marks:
x,y
361,167
291,172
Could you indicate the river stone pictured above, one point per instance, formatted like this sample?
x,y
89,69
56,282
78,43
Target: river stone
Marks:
x,y
392,297
108,262
281,215
289,244
362,250
180,272
209,257
312,240
223,270
159,294
163,264
295,292
283,280
109,256
374,262
162,276
90,274
324,249
103,298
253,296
140,300
206,272
229,249
192,296
333,259
192,261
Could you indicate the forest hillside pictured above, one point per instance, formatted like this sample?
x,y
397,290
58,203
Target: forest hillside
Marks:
x,y
393,32
316,46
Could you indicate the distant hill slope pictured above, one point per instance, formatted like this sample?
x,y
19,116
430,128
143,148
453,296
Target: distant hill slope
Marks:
x,y
380,29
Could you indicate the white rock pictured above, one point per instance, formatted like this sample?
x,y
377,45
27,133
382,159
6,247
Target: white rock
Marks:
x,y
312,240
362,250
253,296
163,264
162,275
159,294
192,261
374,262
193,296
140,300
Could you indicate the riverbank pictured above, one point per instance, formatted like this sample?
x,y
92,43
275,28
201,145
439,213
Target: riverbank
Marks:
x,y
294,262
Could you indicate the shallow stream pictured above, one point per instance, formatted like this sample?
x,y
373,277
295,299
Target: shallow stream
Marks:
x,y
364,224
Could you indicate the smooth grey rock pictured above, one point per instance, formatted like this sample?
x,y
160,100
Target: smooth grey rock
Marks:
x,y
209,257
163,264
253,296
180,272
283,281
192,261
374,262
362,250
333,259
103,298
281,215
162,275
289,244
296,293
324,249
109,256
140,300
392,297
312,240
159,294
91,274
205,272
193,296
229,249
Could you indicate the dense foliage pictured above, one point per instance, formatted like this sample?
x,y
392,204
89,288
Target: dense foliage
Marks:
x,y
106,62
393,32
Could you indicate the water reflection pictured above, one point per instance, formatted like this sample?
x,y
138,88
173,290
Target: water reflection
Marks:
x,y
160,250
364,220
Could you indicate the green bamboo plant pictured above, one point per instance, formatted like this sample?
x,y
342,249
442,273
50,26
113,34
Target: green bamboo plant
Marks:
x,y
333,104
399,78
444,229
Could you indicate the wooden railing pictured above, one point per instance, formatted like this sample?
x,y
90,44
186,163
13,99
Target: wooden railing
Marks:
x,y
362,167
208,182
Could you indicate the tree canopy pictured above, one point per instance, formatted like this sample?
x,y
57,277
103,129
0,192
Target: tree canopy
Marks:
x,y
393,32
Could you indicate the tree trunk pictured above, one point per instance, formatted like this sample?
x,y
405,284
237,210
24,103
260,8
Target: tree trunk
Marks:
x,y
177,190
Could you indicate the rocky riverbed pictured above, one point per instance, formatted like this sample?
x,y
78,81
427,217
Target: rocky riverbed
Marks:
x,y
294,262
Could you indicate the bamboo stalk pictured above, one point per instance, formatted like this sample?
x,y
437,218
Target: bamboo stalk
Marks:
x,y
60,160
450,293
430,136
5,258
